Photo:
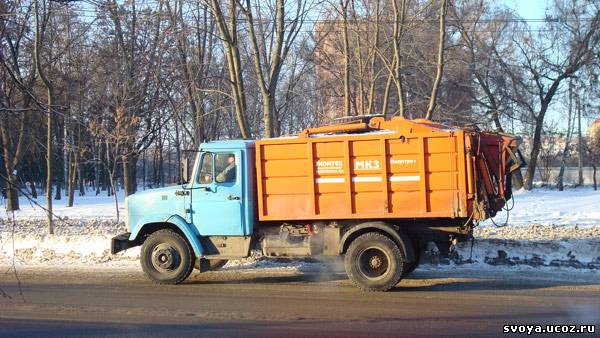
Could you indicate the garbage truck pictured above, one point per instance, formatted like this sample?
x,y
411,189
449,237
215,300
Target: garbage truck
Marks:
x,y
372,190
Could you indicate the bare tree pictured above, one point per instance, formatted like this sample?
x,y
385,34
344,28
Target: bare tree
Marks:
x,y
538,73
567,139
15,100
374,72
268,64
39,33
228,32
593,148
346,45
116,136
440,60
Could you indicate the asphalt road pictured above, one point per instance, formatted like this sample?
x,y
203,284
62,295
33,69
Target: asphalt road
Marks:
x,y
122,303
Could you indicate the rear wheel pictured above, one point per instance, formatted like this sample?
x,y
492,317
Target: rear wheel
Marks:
x,y
166,257
374,262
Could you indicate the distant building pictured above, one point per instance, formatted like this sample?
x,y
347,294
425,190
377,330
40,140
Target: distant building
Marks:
x,y
594,130
369,77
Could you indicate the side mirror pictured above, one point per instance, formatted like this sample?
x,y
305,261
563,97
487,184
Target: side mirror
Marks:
x,y
185,170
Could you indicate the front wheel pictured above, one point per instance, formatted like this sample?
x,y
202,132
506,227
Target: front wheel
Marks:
x,y
374,262
166,257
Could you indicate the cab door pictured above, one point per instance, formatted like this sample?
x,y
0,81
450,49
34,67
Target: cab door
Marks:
x,y
216,203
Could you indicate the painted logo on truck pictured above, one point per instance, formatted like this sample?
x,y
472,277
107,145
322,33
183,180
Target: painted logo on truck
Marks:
x,y
403,162
330,167
366,165
337,166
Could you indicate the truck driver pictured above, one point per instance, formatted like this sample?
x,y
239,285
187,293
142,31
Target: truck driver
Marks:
x,y
228,174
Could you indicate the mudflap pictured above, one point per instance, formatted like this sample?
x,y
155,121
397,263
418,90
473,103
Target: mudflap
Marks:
x,y
121,242
202,264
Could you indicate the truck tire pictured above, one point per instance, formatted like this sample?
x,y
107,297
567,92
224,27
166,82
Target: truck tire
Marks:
x,y
374,262
216,264
166,257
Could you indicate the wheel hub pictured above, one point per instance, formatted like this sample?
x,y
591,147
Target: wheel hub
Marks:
x,y
373,263
165,257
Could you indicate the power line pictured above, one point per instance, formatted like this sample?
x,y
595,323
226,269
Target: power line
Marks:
x,y
88,13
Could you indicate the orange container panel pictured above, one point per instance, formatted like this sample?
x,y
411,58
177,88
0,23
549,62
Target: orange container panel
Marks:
x,y
406,169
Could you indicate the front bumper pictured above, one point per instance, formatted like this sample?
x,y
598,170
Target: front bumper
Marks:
x,y
121,242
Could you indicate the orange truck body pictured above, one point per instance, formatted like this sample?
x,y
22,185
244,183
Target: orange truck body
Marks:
x,y
383,169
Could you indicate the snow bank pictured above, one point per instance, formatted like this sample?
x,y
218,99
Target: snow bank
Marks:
x,y
76,242
87,242
547,229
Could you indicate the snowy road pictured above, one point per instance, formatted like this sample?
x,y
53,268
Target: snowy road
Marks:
x,y
121,302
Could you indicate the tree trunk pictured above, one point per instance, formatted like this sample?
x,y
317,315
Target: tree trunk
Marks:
x,y
72,183
129,174
565,152
144,168
97,172
560,177
114,192
10,159
386,95
234,67
579,145
344,9
49,164
517,179
535,152
49,117
267,115
399,18
81,179
594,176
440,61
34,193
59,171
12,195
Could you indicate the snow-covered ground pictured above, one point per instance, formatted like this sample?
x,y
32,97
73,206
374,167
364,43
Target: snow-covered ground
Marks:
x,y
547,230
575,206
89,206
580,206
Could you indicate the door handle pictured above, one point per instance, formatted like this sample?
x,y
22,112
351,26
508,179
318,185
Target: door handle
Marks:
x,y
182,192
233,198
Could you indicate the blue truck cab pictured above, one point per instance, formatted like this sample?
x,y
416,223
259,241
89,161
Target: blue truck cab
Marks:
x,y
212,215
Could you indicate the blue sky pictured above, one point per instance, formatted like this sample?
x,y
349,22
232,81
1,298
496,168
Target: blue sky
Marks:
x,y
529,9
536,9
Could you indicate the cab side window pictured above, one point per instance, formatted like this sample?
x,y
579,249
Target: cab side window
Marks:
x,y
206,169
225,168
